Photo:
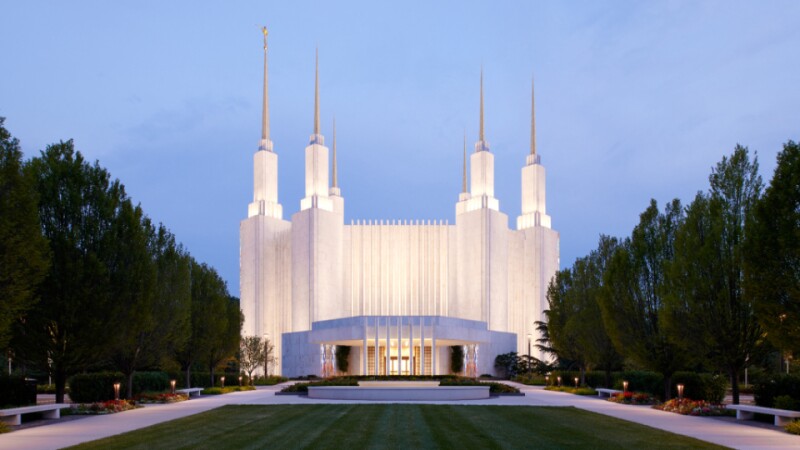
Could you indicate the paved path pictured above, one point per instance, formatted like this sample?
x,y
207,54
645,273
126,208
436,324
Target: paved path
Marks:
x,y
718,431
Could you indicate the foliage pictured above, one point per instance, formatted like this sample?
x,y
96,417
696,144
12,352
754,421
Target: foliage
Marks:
x,y
633,303
633,398
710,311
23,249
510,365
107,407
580,390
269,381
5,428
15,391
94,387
786,402
160,397
150,381
530,379
226,390
772,256
445,380
793,427
251,354
689,407
766,391
342,358
456,359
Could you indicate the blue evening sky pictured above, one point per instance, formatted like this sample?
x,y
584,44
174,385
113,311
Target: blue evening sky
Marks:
x,y
634,100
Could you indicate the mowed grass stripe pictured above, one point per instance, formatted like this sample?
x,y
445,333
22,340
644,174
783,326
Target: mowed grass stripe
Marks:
x,y
396,426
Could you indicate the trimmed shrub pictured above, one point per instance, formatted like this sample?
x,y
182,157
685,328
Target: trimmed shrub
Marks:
x,y
94,387
342,358
643,381
200,379
793,427
767,390
786,402
456,359
16,391
150,382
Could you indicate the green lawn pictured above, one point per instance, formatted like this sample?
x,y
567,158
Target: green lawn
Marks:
x,y
408,427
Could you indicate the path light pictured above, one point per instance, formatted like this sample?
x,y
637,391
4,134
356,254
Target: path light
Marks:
x,y
576,382
240,381
172,385
222,379
546,380
680,391
116,391
624,386
559,381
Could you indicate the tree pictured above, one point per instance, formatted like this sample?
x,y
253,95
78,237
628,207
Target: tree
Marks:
x,y
772,254
251,355
456,358
78,204
269,355
562,327
633,303
23,250
712,313
342,358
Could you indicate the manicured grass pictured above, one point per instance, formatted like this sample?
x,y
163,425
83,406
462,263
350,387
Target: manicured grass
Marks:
x,y
396,426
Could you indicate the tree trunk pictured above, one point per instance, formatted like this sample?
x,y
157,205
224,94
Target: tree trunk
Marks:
x,y
583,375
667,387
212,376
61,381
734,374
188,376
130,385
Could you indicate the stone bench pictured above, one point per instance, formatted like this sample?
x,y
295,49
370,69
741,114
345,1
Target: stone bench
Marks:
x,y
13,416
191,392
605,392
782,416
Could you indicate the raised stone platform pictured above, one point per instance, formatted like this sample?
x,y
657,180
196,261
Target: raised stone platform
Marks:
x,y
399,391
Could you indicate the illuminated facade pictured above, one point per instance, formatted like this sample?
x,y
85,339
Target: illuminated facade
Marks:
x,y
400,294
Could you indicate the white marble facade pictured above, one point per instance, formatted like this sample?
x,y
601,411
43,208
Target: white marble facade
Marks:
x,y
314,282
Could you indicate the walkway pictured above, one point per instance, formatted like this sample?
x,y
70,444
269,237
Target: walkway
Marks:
x,y
722,432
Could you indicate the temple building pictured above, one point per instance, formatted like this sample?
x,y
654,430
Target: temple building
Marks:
x,y
396,297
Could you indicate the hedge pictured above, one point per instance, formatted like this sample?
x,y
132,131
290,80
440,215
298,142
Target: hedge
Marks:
x,y
768,390
697,386
99,387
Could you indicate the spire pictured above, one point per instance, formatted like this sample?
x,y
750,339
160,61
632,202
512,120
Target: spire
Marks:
x,y
481,136
316,137
265,144
481,145
464,175
533,121
335,177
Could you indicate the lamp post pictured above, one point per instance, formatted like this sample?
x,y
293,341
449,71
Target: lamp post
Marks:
x,y
680,391
559,381
624,386
172,385
576,382
240,381
116,391
547,380
222,379
529,352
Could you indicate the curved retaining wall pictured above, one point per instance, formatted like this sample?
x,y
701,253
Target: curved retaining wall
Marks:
x,y
439,393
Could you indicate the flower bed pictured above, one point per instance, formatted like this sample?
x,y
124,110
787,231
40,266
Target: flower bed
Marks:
x,y
226,390
689,407
572,390
109,407
793,427
161,397
633,398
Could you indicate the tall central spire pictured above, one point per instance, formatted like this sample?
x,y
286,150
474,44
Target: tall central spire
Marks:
x,y
481,145
266,143
481,136
316,93
533,121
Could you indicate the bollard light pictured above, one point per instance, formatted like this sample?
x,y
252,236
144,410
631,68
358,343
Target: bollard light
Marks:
x,y
624,386
559,381
240,381
222,379
576,382
116,391
546,380
680,391
172,385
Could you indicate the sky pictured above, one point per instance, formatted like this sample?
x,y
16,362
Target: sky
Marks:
x,y
634,100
